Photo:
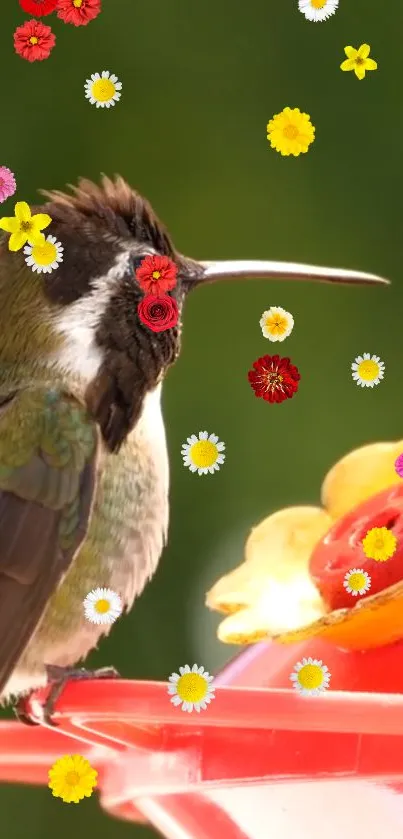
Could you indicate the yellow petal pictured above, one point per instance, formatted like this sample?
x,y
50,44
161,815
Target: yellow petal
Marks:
x,y
364,51
10,225
370,64
272,591
41,220
348,64
35,237
17,240
350,52
22,211
360,474
360,72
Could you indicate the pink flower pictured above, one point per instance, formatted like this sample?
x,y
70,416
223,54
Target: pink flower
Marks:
x,y
7,183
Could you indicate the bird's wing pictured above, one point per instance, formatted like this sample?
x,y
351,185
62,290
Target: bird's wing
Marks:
x,y
48,454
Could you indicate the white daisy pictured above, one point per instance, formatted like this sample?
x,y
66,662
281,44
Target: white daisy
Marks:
x,y
310,677
357,582
102,605
191,688
276,324
103,90
368,370
203,454
318,10
44,258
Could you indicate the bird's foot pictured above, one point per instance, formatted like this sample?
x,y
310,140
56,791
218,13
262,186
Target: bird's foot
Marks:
x,y
58,677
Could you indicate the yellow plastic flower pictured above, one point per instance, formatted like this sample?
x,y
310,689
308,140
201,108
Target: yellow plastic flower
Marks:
x,y
24,227
358,60
72,778
290,132
379,544
271,594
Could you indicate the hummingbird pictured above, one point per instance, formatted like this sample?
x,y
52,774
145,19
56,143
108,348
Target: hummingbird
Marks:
x,y
84,478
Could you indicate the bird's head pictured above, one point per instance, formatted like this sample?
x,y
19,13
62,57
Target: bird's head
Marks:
x,y
92,298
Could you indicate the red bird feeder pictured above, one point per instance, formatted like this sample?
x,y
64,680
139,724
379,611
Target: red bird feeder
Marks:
x,y
261,762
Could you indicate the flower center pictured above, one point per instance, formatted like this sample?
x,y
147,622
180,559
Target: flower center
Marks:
x,y
277,324
310,676
359,60
191,687
318,4
368,370
25,226
357,582
33,40
103,90
156,275
72,779
290,132
44,254
204,453
102,606
77,3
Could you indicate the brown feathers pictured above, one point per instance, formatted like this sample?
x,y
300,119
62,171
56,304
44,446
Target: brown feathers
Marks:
x,y
118,207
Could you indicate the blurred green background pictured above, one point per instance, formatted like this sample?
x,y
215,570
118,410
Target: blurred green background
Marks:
x,y
200,82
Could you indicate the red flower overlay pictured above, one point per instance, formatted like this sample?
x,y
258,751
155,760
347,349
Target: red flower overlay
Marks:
x,y
33,40
39,8
156,274
158,313
273,378
78,12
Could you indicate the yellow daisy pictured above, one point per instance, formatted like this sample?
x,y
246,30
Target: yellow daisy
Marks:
x,y
72,778
290,132
310,677
102,605
103,90
24,227
203,454
317,10
44,258
379,544
368,370
358,60
357,582
276,324
191,688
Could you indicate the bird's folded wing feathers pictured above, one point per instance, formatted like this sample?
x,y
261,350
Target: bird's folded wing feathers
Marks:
x,y
48,452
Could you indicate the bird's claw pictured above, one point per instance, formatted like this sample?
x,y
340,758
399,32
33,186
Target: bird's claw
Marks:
x,y
58,677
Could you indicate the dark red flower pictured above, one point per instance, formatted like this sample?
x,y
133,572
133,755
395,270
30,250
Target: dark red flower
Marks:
x,y
273,378
78,12
156,274
33,40
39,8
158,313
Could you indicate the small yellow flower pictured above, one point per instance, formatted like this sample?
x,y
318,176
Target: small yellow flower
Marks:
x,y
276,324
310,677
290,132
24,227
379,544
358,60
357,581
72,778
191,688
203,454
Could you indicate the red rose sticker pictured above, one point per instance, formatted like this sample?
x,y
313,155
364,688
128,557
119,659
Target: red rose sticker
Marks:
x,y
158,312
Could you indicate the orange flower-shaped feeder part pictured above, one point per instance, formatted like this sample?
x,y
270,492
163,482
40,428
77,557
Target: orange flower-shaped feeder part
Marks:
x,y
291,581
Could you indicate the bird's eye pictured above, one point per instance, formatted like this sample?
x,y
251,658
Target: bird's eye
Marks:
x,y
136,262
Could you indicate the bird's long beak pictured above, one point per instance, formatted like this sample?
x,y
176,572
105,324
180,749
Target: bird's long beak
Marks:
x,y
265,269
